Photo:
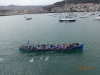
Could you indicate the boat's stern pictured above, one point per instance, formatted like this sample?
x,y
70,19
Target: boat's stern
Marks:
x,y
80,46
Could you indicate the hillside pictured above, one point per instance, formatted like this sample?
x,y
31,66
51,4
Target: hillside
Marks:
x,y
61,3
16,7
77,1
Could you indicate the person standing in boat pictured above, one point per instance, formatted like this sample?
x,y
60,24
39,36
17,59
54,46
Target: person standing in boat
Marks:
x,y
27,44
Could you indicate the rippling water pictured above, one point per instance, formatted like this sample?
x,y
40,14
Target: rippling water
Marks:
x,y
15,31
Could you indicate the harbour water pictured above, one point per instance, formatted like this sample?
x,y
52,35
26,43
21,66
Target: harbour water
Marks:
x,y
16,30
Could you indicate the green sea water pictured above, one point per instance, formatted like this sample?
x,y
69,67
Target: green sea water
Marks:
x,y
16,31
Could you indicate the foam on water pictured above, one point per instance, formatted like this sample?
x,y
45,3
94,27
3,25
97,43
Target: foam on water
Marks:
x,y
32,60
40,58
47,58
1,59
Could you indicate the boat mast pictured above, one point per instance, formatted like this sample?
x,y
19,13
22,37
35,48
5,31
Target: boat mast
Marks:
x,y
65,7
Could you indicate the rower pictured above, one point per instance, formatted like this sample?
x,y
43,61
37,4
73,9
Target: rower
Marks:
x,y
49,46
27,44
39,47
55,46
32,47
62,46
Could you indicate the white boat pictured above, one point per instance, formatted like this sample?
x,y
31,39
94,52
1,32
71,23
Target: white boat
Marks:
x,y
84,15
50,14
68,19
55,14
72,14
28,18
97,18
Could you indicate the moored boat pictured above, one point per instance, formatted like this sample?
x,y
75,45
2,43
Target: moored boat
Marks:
x,y
72,14
84,16
67,20
28,18
50,47
97,18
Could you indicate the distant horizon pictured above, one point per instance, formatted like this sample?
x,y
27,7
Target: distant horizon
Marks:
x,y
28,2
23,5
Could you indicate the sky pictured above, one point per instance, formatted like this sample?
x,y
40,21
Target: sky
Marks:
x,y
28,2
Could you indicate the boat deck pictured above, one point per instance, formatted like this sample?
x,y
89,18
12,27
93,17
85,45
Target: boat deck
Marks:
x,y
50,47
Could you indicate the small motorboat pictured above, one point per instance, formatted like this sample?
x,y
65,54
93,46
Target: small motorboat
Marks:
x,y
28,18
67,20
50,47
84,16
72,14
97,18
